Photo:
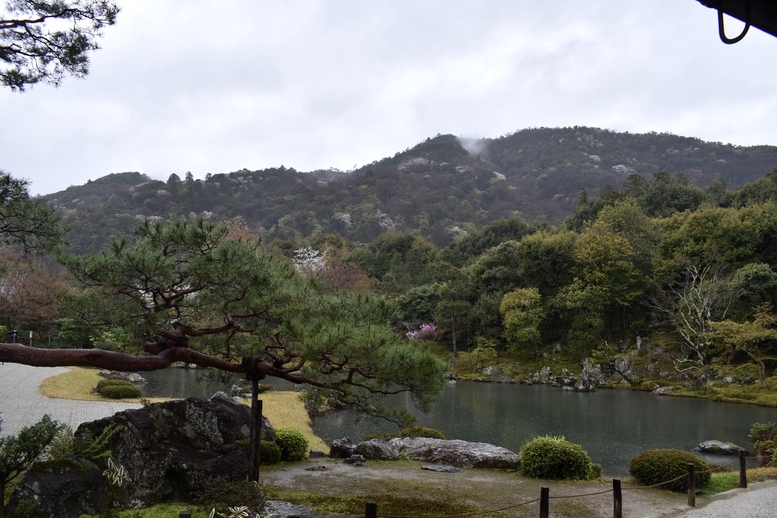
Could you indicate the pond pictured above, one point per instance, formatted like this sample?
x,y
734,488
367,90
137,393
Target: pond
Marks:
x,y
612,425
182,383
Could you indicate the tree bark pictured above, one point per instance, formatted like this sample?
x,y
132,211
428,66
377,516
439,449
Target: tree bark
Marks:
x,y
19,353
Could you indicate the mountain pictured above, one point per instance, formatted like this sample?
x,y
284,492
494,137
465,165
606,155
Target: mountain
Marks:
x,y
440,188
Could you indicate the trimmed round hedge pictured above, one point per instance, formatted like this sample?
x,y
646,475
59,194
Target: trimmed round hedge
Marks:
x,y
653,467
292,444
555,458
118,389
269,452
112,383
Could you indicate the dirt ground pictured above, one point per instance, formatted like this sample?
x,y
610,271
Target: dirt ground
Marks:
x,y
488,489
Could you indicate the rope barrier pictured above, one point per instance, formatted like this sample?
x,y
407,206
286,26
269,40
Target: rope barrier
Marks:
x,y
656,485
720,468
579,496
560,497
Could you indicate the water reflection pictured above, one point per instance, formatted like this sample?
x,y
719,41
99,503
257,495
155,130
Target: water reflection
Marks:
x,y
612,425
182,383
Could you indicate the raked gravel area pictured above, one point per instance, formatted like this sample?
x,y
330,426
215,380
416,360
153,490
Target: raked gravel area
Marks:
x,y
22,404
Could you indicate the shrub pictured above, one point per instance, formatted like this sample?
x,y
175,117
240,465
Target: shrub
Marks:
x,y
652,467
484,354
292,444
26,508
269,452
111,382
763,437
95,448
118,389
555,458
380,436
421,431
121,391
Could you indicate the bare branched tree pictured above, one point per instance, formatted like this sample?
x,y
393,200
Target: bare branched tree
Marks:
x,y
703,296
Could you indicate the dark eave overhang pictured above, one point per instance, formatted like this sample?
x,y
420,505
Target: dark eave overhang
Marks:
x,y
761,14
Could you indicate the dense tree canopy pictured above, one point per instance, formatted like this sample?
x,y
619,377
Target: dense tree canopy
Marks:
x,y
629,263
36,47
755,337
25,221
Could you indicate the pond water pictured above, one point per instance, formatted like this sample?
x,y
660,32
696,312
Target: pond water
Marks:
x,y
612,425
182,383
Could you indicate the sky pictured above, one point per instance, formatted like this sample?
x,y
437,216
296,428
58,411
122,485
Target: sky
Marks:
x,y
215,86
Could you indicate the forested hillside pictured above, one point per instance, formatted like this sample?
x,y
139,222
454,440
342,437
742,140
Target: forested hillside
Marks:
x,y
440,189
509,248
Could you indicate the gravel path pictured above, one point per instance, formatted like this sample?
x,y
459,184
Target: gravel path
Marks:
x,y
758,501
22,404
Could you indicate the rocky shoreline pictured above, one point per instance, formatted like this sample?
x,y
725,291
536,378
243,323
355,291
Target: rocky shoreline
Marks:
x,y
616,373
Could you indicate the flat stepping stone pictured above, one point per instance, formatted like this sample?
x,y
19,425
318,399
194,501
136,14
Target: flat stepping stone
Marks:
x,y
443,469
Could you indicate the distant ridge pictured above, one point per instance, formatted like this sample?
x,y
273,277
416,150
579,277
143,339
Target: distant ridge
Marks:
x,y
439,188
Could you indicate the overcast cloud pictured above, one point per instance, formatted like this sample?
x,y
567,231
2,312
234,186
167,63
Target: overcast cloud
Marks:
x,y
216,86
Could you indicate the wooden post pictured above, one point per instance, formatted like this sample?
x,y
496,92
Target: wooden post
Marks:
x,y
742,469
544,502
371,511
691,484
256,431
617,499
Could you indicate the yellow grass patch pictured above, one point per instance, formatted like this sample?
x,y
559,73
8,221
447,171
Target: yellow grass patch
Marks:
x,y
286,410
78,384
283,409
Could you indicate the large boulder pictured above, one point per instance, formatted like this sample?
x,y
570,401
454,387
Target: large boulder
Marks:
x,y
342,448
462,454
375,449
168,450
663,391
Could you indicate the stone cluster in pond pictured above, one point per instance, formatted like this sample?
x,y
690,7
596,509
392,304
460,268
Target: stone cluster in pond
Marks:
x,y
167,449
462,454
718,448
125,376
625,366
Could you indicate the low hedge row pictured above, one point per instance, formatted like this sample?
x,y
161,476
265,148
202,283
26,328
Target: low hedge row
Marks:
x,y
118,389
